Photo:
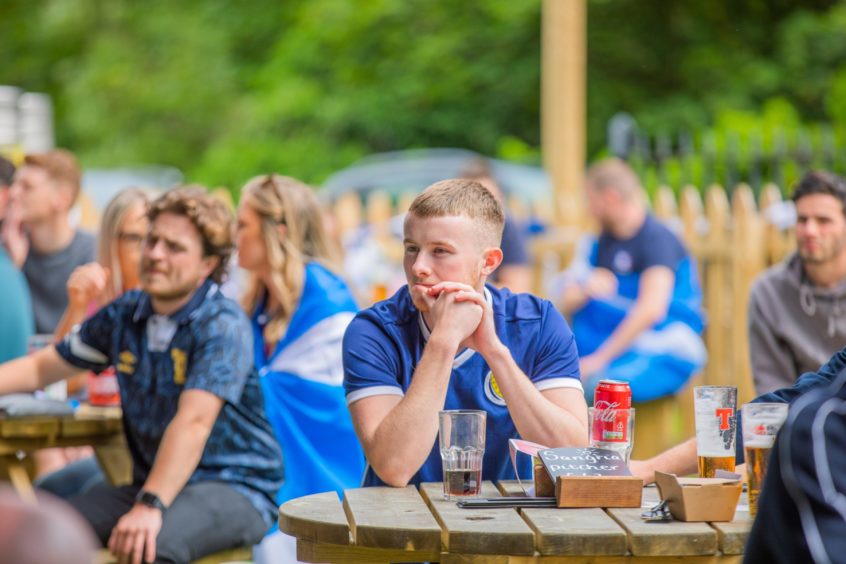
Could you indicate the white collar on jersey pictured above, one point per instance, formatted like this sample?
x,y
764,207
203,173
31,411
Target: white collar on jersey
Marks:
x,y
465,354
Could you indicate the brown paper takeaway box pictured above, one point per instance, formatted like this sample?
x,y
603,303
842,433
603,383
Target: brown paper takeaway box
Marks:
x,y
699,499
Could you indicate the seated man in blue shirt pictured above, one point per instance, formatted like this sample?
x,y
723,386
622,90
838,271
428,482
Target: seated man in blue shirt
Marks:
x,y
635,298
448,341
206,465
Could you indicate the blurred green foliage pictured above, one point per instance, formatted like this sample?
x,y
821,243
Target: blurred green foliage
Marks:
x,y
225,90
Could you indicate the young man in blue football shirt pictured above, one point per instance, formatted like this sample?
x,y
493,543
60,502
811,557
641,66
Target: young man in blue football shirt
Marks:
x,y
449,341
206,466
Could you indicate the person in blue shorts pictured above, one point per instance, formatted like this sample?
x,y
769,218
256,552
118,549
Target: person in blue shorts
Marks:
x,y
206,466
633,293
447,340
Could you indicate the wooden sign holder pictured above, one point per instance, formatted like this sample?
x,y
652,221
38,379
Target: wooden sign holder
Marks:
x,y
598,491
589,491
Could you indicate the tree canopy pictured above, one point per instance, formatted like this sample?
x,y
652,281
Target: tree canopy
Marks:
x,y
225,90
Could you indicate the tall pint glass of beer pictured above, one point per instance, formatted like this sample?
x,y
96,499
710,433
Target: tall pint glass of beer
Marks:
x,y
716,426
761,422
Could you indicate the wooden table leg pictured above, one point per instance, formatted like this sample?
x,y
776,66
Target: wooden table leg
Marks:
x,y
19,478
116,463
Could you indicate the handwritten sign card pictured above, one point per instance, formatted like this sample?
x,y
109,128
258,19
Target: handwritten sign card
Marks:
x,y
583,462
591,477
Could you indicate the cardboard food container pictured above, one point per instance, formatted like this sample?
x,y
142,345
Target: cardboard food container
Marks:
x,y
699,499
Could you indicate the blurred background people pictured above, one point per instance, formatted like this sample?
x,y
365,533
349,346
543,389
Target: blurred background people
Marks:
x,y
635,299
300,309
123,226
38,234
797,309
15,307
515,272
206,467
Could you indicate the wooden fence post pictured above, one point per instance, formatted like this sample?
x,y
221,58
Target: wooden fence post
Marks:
x,y
747,263
777,243
347,211
716,254
664,204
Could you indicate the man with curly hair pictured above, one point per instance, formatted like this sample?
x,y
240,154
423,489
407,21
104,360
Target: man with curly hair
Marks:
x,y
206,465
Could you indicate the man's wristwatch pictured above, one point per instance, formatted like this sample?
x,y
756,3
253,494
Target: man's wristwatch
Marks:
x,y
150,499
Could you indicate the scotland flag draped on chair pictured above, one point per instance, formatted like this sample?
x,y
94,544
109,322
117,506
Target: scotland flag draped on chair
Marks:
x,y
302,385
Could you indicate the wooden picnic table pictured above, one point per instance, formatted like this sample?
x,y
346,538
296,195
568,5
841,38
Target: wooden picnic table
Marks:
x,y
101,428
407,525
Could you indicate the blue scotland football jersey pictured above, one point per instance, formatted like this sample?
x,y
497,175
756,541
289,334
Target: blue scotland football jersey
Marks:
x,y
384,343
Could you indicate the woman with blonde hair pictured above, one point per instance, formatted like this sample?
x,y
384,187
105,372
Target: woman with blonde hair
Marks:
x,y
123,226
300,309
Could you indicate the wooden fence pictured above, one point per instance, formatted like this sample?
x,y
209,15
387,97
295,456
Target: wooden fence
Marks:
x,y
729,236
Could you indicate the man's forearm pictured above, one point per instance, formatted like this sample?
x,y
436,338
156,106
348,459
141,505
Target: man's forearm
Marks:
x,y
404,438
680,460
34,371
71,317
537,419
178,455
636,322
572,299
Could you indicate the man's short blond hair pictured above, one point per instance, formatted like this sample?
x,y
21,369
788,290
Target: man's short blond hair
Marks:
x,y
61,166
461,196
613,174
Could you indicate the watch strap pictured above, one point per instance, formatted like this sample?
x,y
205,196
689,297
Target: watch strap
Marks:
x,y
150,499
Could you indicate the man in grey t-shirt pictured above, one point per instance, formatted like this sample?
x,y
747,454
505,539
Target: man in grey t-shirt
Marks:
x,y
38,235
797,309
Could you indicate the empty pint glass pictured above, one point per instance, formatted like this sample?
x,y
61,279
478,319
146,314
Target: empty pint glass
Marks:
x,y
56,390
716,427
462,441
761,422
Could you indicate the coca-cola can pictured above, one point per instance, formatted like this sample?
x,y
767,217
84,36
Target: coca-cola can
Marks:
x,y
611,403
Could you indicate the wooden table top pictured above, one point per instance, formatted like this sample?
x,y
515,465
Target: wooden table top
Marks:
x,y
404,524
89,426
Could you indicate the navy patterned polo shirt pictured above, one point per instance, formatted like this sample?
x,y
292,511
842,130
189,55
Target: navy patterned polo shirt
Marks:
x,y
206,345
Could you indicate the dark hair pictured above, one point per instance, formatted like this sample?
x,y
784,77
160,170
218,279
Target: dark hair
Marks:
x,y
7,172
209,215
821,182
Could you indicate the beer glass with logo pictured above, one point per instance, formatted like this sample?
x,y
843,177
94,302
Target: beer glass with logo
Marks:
x,y
716,428
462,441
761,422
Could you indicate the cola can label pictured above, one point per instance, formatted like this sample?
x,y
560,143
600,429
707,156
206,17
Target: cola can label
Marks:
x,y
611,403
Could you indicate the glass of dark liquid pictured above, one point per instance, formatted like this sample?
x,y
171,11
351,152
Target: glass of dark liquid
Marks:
x,y
462,443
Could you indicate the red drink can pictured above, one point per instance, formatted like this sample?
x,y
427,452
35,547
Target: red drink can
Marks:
x,y
611,402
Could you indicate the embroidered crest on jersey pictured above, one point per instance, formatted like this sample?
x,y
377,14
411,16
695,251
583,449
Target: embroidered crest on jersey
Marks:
x,y
180,364
126,362
623,262
492,391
